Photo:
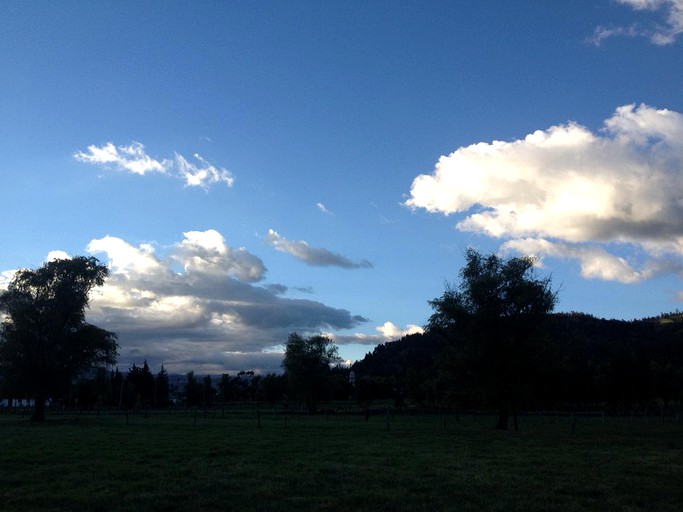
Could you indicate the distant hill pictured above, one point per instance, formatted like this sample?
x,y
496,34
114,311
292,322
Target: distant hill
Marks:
x,y
581,359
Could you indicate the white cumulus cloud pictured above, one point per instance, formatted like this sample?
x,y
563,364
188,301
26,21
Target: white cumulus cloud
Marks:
x,y
201,316
569,192
206,252
135,160
57,255
390,330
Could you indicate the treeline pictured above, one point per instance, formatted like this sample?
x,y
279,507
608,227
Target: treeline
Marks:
x,y
579,361
139,388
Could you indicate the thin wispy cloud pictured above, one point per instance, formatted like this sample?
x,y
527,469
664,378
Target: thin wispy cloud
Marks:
x,y
126,158
323,208
568,192
135,160
659,33
315,257
202,175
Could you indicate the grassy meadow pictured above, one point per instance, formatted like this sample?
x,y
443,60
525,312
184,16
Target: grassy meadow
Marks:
x,y
225,461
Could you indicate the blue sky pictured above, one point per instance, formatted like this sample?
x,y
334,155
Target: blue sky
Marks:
x,y
249,169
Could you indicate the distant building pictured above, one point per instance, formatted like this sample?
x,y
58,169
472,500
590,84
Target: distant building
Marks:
x,y
17,402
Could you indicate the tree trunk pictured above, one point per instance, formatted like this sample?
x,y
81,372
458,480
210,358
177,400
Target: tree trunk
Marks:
x,y
39,411
503,415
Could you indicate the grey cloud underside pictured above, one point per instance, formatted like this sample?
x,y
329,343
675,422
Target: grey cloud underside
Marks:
x,y
181,356
620,229
325,258
298,314
212,311
254,306
313,256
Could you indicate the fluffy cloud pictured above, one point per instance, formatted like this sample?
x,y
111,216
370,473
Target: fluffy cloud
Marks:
x,y
312,256
387,332
208,316
57,255
596,262
134,159
659,34
572,193
206,252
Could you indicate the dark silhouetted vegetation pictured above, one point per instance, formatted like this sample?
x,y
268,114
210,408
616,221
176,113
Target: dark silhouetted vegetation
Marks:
x,y
580,363
495,315
307,364
45,341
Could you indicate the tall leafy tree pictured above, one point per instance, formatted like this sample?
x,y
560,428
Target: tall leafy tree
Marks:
x,y
307,367
496,314
44,339
208,392
226,388
117,381
147,384
162,388
193,390
140,386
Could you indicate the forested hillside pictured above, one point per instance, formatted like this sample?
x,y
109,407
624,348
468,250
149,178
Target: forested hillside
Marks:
x,y
579,362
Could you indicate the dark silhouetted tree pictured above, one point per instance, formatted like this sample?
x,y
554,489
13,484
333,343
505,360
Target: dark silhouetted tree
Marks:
x,y
132,395
495,314
307,364
140,386
208,392
117,388
45,341
147,385
271,388
162,389
226,388
193,390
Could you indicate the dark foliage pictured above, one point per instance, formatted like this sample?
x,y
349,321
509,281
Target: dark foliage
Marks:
x,y
581,362
494,318
45,341
399,370
307,364
162,390
193,391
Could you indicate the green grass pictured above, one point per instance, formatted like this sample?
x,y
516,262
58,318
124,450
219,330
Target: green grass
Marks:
x,y
166,462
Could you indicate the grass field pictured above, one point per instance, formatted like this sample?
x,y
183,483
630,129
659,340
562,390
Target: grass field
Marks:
x,y
337,462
